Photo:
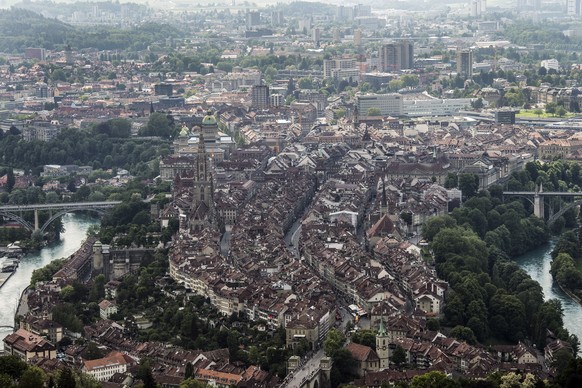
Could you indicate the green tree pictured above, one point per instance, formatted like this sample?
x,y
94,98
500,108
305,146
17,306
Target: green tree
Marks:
x,y
12,366
468,184
399,356
333,342
193,383
433,379
365,337
92,352
33,377
374,112
66,379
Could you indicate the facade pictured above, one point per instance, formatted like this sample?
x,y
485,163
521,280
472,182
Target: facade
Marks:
x,y
435,106
389,104
339,67
27,345
260,96
51,330
163,89
171,166
397,56
465,63
102,369
107,308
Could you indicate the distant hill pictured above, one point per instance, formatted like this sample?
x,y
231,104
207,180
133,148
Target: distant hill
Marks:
x,y
21,28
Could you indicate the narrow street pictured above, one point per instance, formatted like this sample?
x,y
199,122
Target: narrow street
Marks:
x,y
307,369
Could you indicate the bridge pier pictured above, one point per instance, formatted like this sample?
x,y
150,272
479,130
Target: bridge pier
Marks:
x,y
538,205
36,222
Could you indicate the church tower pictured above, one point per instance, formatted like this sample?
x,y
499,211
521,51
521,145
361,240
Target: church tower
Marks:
x,y
203,189
382,348
384,205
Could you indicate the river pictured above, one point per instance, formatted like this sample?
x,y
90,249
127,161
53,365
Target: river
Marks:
x,y
75,226
537,264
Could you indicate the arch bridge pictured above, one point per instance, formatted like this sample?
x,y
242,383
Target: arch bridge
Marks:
x,y
56,210
537,199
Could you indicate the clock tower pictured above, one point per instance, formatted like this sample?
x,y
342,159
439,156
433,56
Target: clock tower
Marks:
x,y
382,348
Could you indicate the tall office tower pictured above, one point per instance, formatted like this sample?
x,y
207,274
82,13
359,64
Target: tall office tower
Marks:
x,y
465,62
253,19
260,96
478,7
396,56
358,38
573,7
316,36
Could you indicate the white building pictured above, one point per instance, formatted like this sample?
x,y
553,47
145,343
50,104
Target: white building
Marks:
x,y
435,106
551,64
388,104
103,368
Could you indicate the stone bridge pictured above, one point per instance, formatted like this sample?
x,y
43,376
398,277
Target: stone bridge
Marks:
x,y
56,210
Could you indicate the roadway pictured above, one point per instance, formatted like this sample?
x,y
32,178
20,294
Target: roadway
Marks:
x,y
64,205
309,366
544,193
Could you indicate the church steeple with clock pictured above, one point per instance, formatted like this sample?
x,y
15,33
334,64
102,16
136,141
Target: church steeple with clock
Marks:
x,y
382,346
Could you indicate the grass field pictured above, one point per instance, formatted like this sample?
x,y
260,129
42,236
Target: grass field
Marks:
x,y
544,115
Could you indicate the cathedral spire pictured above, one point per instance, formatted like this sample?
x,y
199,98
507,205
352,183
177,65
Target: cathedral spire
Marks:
x,y
384,205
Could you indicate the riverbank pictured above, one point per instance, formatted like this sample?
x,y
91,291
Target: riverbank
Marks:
x,y
569,293
12,295
4,276
537,265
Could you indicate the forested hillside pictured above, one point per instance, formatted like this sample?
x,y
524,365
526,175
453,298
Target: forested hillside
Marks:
x,y
21,28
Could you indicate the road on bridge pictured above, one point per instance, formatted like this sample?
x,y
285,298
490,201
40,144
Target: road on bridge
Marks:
x,y
63,205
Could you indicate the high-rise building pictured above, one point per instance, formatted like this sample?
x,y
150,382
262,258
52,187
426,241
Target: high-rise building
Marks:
x,y
397,55
163,89
574,7
316,36
253,19
478,7
332,68
465,62
358,37
260,96
277,18
35,53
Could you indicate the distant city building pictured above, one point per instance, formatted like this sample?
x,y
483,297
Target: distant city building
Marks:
x,y
277,99
505,116
397,56
163,89
35,53
394,104
358,38
478,7
316,36
551,64
260,96
574,7
341,68
253,19
465,62
388,104
277,18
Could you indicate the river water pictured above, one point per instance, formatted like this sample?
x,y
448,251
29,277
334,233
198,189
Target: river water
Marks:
x,y
537,264
75,226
